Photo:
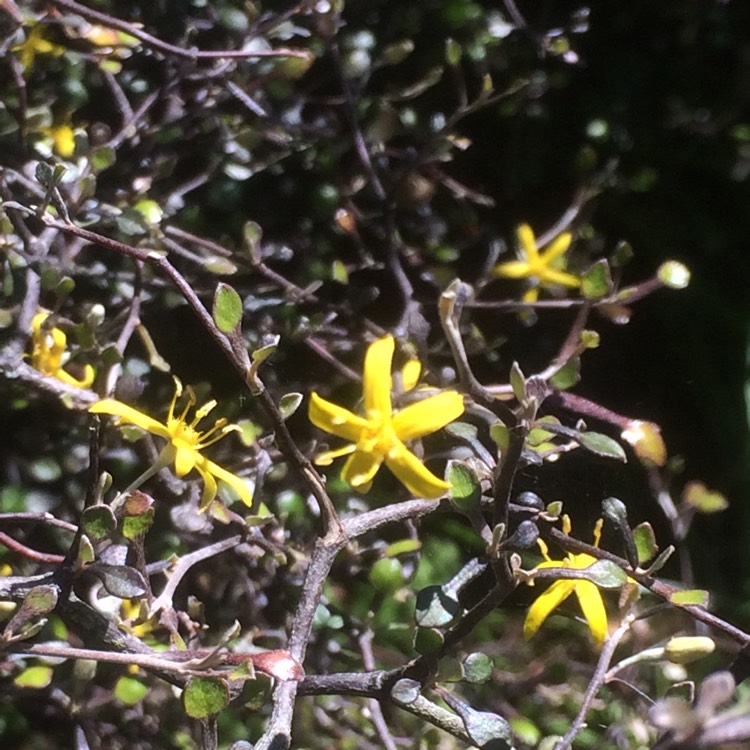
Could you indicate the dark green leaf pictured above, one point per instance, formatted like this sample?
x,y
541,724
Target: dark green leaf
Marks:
x,y
606,574
601,445
428,641
119,580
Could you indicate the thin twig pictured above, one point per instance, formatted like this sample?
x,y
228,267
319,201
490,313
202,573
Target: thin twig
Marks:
x,y
170,49
597,680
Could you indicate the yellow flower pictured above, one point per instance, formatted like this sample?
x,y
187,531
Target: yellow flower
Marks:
x,y
589,596
542,269
184,442
63,139
379,435
35,44
48,352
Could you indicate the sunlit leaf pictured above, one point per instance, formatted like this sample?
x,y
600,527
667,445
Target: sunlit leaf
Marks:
x,y
204,697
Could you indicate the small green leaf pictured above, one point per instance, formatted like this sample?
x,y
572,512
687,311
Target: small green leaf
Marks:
x,y
488,730
601,445
119,580
525,730
464,430
289,403
590,339
28,619
139,515
661,560
255,692
568,375
150,210
99,522
435,608
606,574
428,641
698,496
403,547
477,668
465,491
227,308
387,575
34,677
453,52
517,382
406,691
646,440
130,690
204,697
645,542
253,234
554,509
500,435
689,597
220,266
261,355
102,158
597,281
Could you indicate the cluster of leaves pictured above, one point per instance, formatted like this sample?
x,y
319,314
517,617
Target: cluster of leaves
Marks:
x,y
257,201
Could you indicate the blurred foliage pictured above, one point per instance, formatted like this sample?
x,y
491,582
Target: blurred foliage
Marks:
x,y
314,200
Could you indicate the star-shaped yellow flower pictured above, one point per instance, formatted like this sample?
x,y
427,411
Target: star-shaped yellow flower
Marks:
x,y
380,434
48,353
589,596
542,269
36,44
184,442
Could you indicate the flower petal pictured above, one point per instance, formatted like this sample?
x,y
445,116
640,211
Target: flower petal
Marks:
x,y
428,415
410,373
553,276
527,240
360,469
377,378
512,269
238,484
545,603
590,599
209,487
557,247
130,415
335,419
185,457
414,475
